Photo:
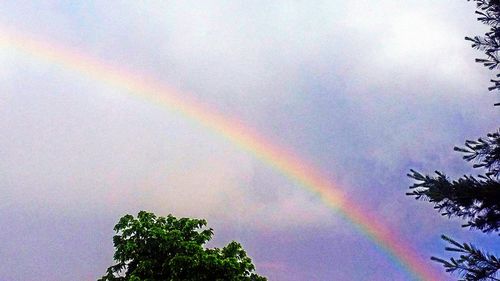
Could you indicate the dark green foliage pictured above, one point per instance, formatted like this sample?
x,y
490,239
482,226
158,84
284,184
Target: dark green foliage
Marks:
x,y
474,199
150,248
472,264
477,201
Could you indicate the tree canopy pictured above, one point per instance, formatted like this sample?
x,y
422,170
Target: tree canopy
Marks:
x,y
151,248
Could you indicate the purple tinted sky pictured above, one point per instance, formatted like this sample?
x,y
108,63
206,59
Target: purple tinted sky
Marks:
x,y
364,90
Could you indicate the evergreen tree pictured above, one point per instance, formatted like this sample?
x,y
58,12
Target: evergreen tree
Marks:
x,y
474,199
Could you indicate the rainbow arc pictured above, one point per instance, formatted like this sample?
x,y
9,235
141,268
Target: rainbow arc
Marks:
x,y
281,159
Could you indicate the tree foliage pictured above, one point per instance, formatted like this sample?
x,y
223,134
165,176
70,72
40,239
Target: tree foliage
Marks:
x,y
474,199
151,248
473,264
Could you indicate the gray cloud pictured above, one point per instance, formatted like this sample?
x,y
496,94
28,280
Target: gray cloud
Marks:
x,y
364,90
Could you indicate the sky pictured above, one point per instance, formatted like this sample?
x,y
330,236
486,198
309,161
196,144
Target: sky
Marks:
x,y
362,91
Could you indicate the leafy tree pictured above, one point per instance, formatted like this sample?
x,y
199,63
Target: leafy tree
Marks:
x,y
474,199
150,248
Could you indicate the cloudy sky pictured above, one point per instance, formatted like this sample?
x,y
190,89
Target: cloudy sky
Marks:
x,y
361,90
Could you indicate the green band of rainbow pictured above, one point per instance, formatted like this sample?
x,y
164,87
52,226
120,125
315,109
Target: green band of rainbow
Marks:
x,y
283,160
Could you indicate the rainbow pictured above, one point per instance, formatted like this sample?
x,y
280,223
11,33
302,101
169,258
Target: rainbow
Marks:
x,y
247,138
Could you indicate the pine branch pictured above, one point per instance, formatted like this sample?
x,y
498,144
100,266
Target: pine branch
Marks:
x,y
488,12
484,153
472,264
477,201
